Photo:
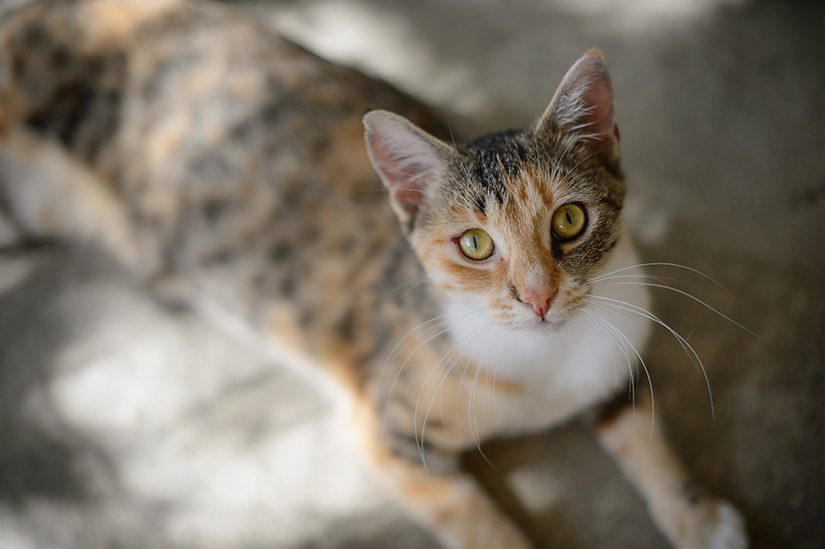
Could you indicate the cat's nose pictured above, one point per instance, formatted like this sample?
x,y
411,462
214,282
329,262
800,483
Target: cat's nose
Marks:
x,y
540,300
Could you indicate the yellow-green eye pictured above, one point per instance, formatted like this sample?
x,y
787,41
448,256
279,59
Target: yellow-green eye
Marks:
x,y
475,244
569,221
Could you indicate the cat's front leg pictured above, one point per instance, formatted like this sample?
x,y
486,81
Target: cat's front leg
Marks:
x,y
448,503
689,518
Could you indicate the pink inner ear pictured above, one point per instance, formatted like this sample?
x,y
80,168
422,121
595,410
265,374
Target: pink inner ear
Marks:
x,y
605,140
402,175
600,119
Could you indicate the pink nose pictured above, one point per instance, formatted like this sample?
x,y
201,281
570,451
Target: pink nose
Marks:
x,y
540,300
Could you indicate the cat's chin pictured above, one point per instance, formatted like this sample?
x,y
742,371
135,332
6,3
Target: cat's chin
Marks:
x,y
536,326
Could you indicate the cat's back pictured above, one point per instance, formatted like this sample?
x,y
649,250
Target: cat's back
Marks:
x,y
171,82
238,155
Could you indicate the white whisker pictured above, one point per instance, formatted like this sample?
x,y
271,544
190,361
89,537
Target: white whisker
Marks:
x,y
691,296
623,349
471,415
607,344
687,347
391,389
657,278
419,442
444,377
397,349
644,367
659,264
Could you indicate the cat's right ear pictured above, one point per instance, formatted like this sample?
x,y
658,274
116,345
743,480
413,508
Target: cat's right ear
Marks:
x,y
409,161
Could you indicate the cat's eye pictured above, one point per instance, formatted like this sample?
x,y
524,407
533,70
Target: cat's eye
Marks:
x,y
569,221
475,244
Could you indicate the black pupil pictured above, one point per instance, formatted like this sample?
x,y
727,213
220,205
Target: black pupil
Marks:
x,y
569,217
475,242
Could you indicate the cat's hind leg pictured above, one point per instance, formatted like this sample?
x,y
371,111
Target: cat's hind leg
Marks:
x,y
689,518
46,194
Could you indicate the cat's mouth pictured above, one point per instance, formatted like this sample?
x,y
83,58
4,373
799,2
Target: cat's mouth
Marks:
x,y
550,323
553,319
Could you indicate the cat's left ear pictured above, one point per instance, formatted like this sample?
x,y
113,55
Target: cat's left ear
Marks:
x,y
582,108
410,162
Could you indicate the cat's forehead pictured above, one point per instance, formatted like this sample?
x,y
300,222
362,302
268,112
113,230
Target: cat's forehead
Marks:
x,y
496,158
505,171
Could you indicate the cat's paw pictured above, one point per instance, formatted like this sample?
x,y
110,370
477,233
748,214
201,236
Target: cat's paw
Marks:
x,y
497,534
711,524
513,540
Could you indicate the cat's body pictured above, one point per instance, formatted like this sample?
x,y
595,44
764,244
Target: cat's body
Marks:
x,y
228,166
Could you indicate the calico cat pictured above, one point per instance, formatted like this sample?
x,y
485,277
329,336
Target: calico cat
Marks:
x,y
227,167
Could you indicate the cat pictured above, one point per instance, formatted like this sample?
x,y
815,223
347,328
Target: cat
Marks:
x,y
451,289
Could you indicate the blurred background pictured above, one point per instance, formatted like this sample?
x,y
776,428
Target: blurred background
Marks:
x,y
126,424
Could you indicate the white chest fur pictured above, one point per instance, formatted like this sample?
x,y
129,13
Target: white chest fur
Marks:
x,y
565,371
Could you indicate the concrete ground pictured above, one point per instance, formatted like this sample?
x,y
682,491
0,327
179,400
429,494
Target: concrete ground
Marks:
x,y
124,423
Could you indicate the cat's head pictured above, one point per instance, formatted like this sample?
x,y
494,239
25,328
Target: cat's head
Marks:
x,y
513,222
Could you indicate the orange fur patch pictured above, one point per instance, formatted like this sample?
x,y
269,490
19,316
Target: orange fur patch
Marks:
x,y
112,21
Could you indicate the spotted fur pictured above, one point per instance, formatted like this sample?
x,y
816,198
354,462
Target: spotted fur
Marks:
x,y
227,165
